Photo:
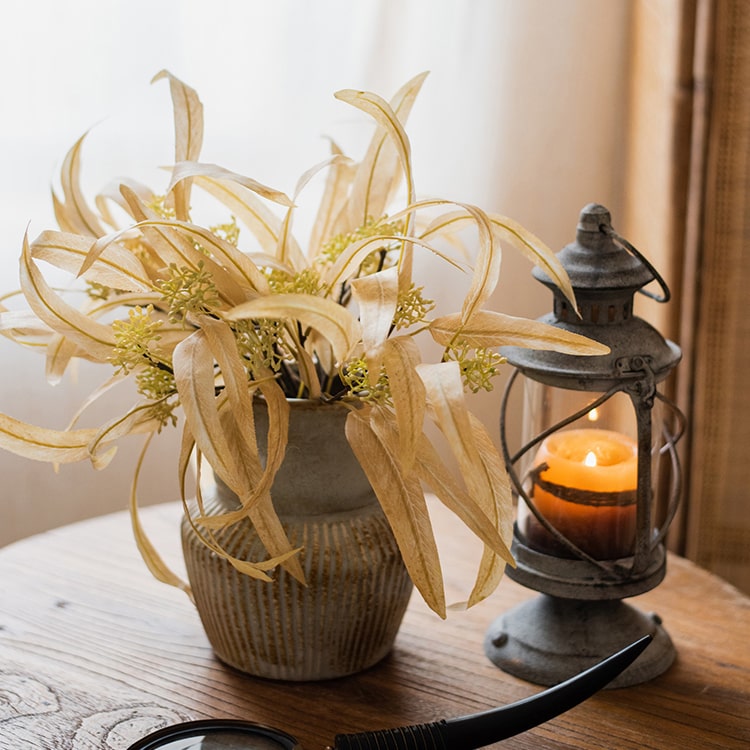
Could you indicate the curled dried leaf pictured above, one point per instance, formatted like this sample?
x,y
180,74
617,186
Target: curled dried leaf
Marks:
x,y
491,329
95,340
185,170
73,213
43,444
188,130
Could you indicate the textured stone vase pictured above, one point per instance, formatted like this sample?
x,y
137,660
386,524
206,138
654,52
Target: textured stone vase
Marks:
x,y
346,618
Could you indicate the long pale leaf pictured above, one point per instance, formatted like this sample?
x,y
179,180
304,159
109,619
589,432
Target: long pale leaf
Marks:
x,y
239,411
232,270
60,352
154,562
271,530
23,321
479,463
507,230
348,262
188,169
288,251
263,224
404,505
43,444
376,296
446,400
381,111
137,420
338,182
486,271
400,358
166,249
480,517
194,378
536,251
433,471
117,267
228,457
259,569
175,245
500,509
188,130
486,267
487,328
73,213
377,175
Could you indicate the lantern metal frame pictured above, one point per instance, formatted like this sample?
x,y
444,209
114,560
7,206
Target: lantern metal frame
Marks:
x,y
580,613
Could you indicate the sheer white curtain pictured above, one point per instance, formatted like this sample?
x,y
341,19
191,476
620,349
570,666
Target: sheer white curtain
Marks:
x,y
523,113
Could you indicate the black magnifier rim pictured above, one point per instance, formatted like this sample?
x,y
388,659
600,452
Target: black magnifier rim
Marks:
x,y
188,729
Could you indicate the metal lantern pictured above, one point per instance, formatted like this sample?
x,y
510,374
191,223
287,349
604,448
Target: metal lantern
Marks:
x,y
597,476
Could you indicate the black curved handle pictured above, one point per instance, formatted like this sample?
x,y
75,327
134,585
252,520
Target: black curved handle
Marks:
x,y
482,729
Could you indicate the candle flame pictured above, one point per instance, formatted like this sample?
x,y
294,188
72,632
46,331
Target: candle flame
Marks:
x,y
590,459
593,415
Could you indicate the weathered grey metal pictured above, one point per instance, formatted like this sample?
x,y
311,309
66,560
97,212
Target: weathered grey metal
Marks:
x,y
547,640
580,615
579,579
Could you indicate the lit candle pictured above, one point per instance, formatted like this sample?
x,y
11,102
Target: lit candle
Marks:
x,y
584,484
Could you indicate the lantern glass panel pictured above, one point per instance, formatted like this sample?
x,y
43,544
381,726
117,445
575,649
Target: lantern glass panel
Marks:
x,y
582,478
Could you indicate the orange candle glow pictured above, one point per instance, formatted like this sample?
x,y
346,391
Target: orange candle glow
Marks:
x,y
584,484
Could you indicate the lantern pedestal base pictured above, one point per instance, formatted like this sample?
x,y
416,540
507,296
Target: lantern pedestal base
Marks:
x,y
547,640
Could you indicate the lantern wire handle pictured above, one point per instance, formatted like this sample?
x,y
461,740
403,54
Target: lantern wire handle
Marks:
x,y
618,239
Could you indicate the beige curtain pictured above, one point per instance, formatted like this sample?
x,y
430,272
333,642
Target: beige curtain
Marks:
x,y
718,520
689,202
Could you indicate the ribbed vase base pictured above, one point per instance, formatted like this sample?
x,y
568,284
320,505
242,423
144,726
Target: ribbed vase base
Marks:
x,y
343,621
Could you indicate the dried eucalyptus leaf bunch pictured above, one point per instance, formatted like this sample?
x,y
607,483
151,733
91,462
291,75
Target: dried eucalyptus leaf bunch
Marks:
x,y
204,318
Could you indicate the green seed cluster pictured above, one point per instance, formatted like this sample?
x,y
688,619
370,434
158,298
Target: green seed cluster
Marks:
x,y
478,365
189,290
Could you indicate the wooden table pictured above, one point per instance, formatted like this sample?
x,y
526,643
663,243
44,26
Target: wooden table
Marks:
x,y
94,653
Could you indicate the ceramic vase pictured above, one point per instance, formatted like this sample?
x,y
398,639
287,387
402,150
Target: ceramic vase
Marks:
x,y
346,617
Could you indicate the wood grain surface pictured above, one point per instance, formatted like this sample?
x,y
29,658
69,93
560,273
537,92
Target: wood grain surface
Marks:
x,y
94,653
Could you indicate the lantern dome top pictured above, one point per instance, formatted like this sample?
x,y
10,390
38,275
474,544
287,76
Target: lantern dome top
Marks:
x,y
605,272
596,261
